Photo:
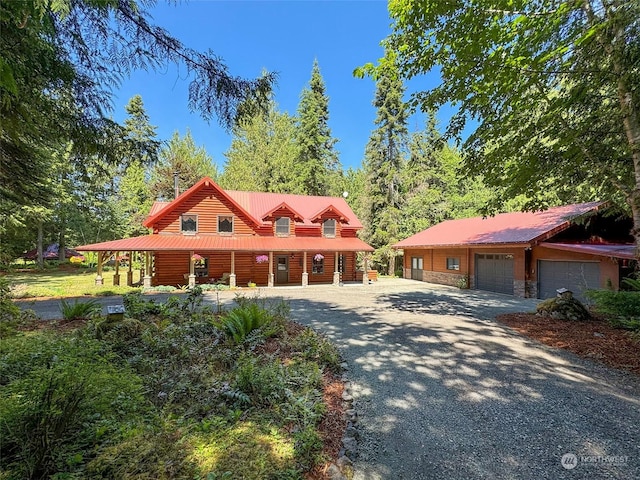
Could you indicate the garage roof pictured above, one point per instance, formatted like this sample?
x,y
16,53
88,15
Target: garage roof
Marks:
x,y
604,250
504,228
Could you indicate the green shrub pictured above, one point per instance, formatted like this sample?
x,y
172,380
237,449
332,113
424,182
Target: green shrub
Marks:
x,y
313,346
241,321
61,397
622,308
79,310
307,447
11,316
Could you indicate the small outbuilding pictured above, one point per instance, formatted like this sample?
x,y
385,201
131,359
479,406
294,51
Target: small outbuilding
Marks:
x,y
527,254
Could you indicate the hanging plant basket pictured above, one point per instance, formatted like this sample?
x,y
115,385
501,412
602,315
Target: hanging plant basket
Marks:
x,y
262,259
318,257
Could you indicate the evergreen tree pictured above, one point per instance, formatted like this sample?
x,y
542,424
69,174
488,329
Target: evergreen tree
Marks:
x,y
385,156
180,156
262,155
134,195
318,167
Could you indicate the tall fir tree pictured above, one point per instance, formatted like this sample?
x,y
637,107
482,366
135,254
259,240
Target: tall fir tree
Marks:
x,y
134,196
181,156
317,166
385,156
262,155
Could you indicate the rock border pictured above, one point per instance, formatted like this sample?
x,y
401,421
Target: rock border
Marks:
x,y
342,469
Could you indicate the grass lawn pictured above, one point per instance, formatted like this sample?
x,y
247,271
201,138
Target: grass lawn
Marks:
x,y
71,282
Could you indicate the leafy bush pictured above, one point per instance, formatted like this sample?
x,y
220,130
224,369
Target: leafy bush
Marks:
x,y
317,348
622,308
11,316
80,310
241,321
61,398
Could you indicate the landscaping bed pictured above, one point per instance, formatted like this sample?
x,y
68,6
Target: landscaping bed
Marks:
x,y
594,339
171,390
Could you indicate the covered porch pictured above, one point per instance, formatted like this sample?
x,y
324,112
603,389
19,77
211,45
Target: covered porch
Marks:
x,y
236,261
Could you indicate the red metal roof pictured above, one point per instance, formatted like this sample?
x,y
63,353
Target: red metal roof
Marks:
x,y
238,244
627,251
258,205
504,228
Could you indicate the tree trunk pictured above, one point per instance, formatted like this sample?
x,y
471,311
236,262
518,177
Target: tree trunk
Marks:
x,y
392,263
62,254
40,252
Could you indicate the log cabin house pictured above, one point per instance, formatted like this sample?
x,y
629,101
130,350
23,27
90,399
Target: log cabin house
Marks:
x,y
209,235
526,254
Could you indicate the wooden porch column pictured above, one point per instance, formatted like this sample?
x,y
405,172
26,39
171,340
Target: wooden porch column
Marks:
x,y
365,274
336,272
232,276
99,280
305,274
130,272
146,283
270,281
116,274
192,270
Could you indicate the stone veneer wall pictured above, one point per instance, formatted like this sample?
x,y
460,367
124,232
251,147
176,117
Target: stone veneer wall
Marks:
x,y
520,288
532,289
442,278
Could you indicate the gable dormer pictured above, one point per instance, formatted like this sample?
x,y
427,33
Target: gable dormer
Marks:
x,y
283,218
330,220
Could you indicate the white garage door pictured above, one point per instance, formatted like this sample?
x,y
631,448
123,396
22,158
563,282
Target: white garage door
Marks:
x,y
494,272
575,276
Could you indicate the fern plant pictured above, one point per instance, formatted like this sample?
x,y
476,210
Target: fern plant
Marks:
x,y
80,310
241,321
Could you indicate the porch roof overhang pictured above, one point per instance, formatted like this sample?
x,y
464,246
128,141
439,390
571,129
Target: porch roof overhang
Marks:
x,y
230,244
625,251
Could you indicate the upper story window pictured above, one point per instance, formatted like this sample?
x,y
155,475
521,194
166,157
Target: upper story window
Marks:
x,y
189,224
282,226
225,224
329,228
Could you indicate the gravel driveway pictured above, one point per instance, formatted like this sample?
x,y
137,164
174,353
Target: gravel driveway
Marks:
x,y
444,392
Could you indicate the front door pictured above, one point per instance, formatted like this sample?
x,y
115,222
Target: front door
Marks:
x,y
282,269
416,268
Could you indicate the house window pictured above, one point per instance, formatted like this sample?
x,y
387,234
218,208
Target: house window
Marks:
x,y
329,228
189,224
453,263
282,226
225,224
318,264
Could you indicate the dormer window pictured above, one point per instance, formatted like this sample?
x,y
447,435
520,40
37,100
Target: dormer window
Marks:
x,y
189,224
282,226
329,228
225,224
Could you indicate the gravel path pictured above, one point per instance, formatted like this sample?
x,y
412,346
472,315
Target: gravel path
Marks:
x,y
444,392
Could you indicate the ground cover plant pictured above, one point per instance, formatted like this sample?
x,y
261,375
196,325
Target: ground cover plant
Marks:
x,y
172,390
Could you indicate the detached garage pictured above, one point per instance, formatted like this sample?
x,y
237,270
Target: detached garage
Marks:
x,y
527,254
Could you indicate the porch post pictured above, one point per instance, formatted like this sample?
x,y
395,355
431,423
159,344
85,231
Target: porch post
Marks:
x,y
365,275
192,270
271,279
116,274
336,272
99,280
232,276
146,283
130,272
305,274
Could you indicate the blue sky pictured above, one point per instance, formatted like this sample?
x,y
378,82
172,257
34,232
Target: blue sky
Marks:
x,y
280,36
